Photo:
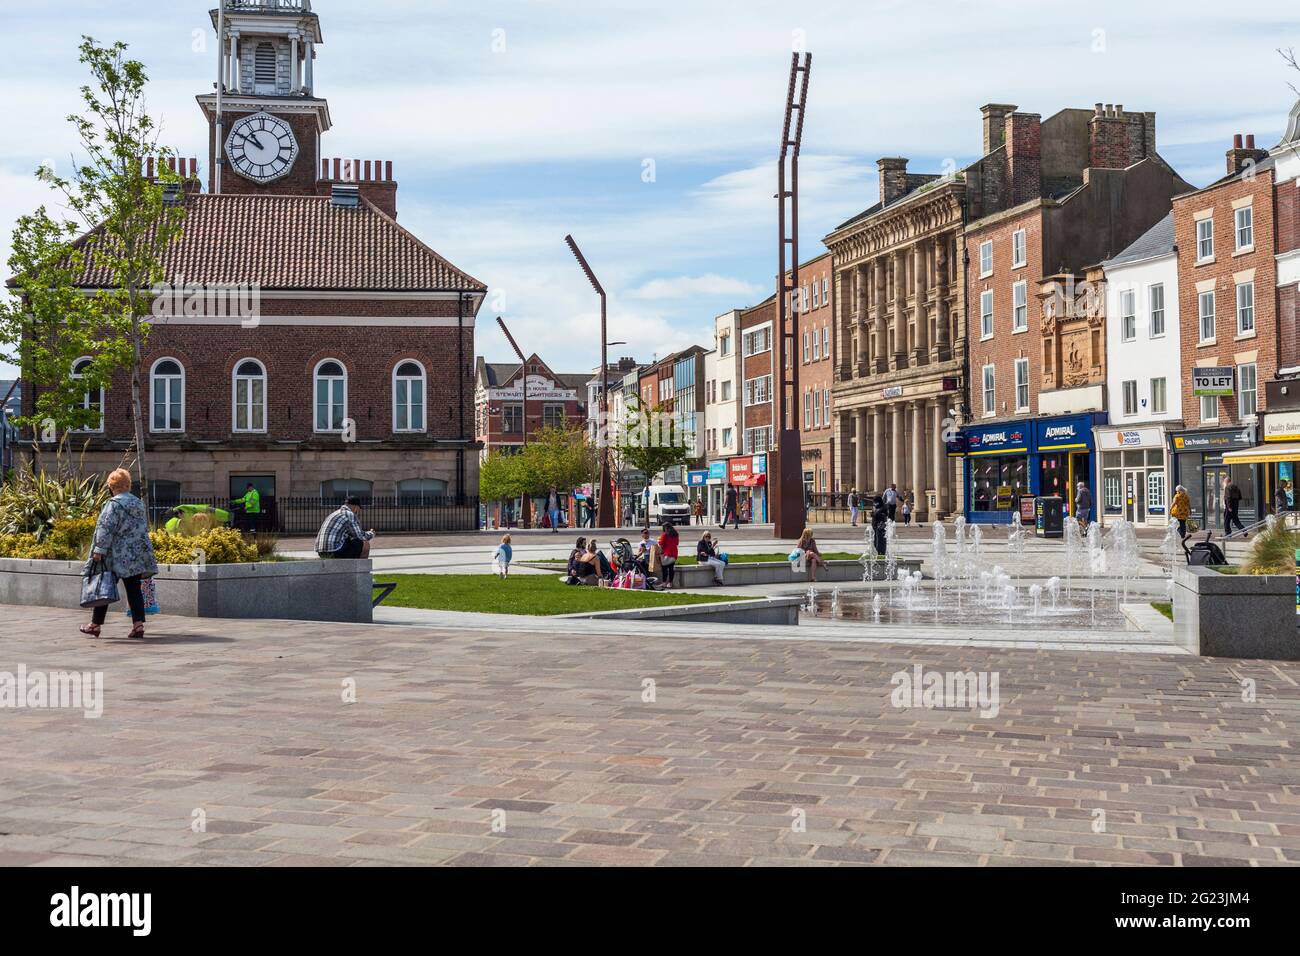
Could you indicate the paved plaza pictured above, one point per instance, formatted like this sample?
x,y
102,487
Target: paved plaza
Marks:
x,y
233,743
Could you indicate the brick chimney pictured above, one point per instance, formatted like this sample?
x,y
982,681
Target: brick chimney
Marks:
x,y
1023,139
893,177
1243,154
374,179
995,115
1117,139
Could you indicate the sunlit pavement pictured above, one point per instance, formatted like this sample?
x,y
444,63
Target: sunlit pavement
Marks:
x,y
231,742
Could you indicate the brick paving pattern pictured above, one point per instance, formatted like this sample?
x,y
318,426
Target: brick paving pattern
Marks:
x,y
470,747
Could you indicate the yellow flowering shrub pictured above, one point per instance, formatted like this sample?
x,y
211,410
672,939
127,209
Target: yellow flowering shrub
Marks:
x,y
219,546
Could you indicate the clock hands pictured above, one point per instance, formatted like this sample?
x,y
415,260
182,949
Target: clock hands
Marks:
x,y
256,142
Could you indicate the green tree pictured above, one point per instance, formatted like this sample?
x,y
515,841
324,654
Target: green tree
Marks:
x,y
559,458
651,440
501,477
130,226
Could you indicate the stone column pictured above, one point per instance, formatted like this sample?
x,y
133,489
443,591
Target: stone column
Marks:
x,y
877,451
939,466
863,277
860,447
922,344
917,472
844,328
236,72
880,358
899,351
294,73
898,453
942,346
311,55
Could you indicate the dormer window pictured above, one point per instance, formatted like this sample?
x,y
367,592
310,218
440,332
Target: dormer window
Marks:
x,y
264,68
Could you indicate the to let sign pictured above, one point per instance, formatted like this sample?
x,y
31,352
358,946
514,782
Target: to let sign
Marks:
x,y
1213,381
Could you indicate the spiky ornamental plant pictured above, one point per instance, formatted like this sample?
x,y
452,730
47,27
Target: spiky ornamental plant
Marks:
x,y
130,227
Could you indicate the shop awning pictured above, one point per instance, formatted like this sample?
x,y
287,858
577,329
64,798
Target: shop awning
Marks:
x,y
749,481
1263,454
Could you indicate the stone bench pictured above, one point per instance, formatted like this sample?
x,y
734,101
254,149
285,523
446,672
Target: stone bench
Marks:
x,y
311,590
740,573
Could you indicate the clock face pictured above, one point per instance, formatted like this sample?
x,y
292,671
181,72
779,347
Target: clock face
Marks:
x,y
261,147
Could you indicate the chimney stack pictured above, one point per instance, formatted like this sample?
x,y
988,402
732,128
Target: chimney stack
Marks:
x,y
1240,157
1116,139
1024,156
893,178
995,124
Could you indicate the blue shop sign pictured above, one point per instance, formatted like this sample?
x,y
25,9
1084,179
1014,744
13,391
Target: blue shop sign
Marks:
x,y
717,471
1008,438
760,464
1063,434
694,478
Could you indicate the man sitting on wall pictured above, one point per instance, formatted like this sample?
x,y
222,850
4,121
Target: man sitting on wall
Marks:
x,y
340,536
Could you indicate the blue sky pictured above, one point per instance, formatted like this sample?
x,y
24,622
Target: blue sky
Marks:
x,y
512,122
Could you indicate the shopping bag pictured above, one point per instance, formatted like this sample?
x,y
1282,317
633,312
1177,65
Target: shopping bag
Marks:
x,y
98,585
149,592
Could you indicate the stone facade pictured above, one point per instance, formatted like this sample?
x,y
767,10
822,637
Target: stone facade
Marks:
x,y
815,343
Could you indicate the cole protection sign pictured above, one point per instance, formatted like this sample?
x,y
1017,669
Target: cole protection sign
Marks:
x,y
1213,381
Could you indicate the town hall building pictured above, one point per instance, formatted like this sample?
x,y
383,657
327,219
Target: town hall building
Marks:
x,y
354,372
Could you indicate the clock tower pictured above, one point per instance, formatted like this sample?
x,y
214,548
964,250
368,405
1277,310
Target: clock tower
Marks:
x,y
265,120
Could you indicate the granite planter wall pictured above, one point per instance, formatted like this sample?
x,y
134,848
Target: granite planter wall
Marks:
x,y
1235,615
739,572
772,610
314,590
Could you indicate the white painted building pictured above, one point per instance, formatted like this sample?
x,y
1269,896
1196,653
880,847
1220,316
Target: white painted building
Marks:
x,y
722,384
1144,381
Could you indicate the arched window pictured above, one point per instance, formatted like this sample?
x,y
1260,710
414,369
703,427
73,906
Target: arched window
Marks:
x,y
336,489
264,68
167,388
331,395
408,397
91,399
249,394
419,491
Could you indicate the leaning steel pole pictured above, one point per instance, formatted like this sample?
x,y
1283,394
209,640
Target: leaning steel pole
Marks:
x,y
785,467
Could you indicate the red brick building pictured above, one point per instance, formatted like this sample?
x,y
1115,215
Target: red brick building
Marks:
x,y
1079,187
306,342
814,312
748,470
1227,238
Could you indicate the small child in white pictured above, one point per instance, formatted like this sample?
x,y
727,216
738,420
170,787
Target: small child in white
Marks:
x,y
501,557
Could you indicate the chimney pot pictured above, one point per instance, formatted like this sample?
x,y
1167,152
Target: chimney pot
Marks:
x,y
1236,141
1098,110
1250,140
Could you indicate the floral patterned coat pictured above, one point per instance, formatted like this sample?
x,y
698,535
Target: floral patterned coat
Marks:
x,y
122,536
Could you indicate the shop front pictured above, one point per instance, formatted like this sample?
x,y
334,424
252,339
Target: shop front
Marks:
x,y
1202,465
1009,460
748,473
1132,480
697,488
1277,458
716,490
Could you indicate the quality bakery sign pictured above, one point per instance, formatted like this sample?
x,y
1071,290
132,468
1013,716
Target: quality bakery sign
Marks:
x,y
1282,426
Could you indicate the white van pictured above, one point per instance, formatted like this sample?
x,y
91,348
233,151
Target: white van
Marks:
x,y
668,505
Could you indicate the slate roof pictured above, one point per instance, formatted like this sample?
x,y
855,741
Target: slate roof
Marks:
x,y
300,243
1156,241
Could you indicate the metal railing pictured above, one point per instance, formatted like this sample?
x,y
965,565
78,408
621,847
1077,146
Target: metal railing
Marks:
x,y
304,516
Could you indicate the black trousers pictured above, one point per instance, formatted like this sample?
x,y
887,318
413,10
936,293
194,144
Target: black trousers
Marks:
x,y
134,598
1231,515
669,567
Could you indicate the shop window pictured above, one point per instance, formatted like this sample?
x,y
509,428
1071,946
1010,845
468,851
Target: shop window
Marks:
x,y
1156,491
1112,491
998,482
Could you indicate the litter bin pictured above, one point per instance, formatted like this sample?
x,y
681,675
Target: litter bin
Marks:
x,y
1049,516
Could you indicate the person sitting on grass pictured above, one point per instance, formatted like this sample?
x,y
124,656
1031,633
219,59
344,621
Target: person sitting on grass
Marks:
x,y
579,549
593,567
707,553
812,555
501,557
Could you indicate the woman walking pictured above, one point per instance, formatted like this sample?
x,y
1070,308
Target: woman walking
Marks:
x,y
122,544
668,542
1181,509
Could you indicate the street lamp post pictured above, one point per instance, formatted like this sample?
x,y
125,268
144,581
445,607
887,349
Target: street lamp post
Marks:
x,y
605,502
525,510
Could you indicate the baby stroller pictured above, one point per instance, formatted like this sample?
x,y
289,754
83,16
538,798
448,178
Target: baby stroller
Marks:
x,y
629,568
1204,552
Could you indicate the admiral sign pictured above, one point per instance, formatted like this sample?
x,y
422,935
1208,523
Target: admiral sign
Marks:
x,y
1213,381
987,441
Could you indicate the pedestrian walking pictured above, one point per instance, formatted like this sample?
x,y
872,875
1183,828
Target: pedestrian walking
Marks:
x,y
698,510
1082,505
1180,509
891,501
729,512
553,510
502,556
879,520
1232,508
1282,498
853,508
907,509
122,546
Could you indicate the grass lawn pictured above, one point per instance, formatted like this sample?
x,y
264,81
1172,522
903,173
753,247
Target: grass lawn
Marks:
x,y
689,559
525,594
1165,608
